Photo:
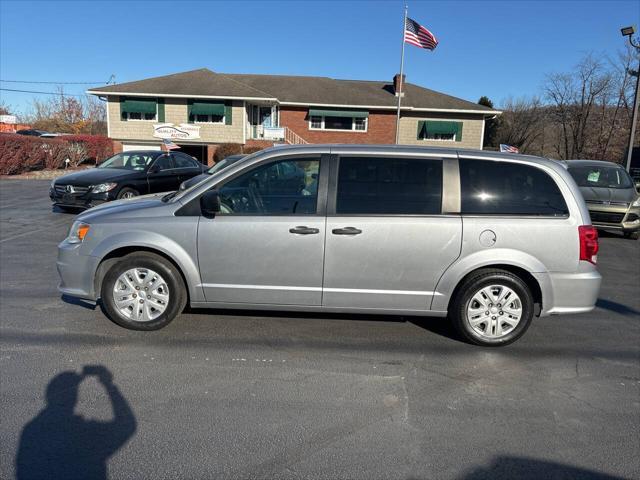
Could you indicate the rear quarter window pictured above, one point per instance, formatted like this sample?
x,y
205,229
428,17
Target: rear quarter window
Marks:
x,y
505,188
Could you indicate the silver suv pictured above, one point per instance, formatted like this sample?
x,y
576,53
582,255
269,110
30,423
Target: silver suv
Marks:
x,y
487,239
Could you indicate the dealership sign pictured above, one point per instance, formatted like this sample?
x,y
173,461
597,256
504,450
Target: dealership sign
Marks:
x,y
184,131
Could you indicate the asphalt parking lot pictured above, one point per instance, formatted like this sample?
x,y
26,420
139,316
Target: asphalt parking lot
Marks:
x,y
251,395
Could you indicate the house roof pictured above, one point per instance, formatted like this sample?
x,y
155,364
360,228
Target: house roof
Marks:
x,y
292,90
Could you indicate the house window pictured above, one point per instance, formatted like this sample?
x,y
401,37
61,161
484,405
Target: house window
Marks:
x,y
338,122
202,118
440,136
138,116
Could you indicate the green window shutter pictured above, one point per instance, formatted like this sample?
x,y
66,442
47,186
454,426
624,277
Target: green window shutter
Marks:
x,y
421,130
123,117
189,107
459,131
228,113
161,110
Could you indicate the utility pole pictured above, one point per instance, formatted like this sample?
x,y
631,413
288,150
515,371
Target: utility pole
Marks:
x,y
628,32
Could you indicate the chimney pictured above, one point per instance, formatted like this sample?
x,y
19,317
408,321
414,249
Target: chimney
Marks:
x,y
396,83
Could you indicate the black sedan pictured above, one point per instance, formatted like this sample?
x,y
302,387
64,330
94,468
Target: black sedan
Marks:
x,y
124,175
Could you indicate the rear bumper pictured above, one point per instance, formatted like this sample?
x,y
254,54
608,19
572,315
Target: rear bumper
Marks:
x,y
569,292
76,271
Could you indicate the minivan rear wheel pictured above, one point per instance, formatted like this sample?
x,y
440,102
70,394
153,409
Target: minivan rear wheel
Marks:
x,y
492,308
143,291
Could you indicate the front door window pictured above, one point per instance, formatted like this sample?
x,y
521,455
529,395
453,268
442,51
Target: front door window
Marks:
x,y
265,116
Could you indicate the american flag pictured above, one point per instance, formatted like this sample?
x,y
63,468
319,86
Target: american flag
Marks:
x,y
167,145
508,148
417,35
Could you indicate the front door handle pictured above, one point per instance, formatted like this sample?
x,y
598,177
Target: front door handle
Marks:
x,y
302,230
346,231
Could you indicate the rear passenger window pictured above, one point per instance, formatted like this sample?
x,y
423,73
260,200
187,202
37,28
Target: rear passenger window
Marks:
x,y
389,186
504,188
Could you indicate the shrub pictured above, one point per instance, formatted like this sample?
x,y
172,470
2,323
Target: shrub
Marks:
x,y
21,153
226,149
252,149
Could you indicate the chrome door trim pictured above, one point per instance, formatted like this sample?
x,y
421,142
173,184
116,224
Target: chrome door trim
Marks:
x,y
382,292
260,287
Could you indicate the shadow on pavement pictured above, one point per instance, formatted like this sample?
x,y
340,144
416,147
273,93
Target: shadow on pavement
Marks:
x,y
79,302
524,468
59,444
616,307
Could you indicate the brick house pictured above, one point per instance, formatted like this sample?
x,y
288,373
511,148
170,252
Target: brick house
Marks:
x,y
201,109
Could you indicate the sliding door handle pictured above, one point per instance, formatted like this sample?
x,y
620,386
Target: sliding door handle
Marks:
x,y
302,230
346,231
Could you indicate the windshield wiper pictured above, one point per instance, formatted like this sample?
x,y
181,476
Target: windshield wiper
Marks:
x,y
169,196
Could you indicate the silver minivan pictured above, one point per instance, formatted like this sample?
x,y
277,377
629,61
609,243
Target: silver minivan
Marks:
x,y
488,240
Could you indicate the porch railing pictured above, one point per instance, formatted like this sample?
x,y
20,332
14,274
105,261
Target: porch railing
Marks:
x,y
257,132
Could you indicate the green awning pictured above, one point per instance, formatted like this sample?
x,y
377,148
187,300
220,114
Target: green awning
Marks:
x,y
138,105
428,128
442,127
338,113
207,108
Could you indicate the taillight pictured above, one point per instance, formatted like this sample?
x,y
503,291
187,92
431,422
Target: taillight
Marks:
x,y
588,243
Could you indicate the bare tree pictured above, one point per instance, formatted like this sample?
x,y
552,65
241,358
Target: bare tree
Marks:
x,y
572,100
521,122
68,114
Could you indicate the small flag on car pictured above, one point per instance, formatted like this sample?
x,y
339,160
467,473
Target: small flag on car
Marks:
x,y
416,34
508,148
167,145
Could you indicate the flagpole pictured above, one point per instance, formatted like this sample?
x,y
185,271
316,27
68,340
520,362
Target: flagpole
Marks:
x,y
400,81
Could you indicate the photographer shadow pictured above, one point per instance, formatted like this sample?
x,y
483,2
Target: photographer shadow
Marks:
x,y
57,443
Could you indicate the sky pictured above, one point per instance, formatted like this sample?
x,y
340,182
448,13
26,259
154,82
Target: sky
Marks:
x,y
493,48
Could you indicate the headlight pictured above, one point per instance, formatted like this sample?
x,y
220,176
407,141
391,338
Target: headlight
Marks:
x,y
104,187
636,203
53,184
78,231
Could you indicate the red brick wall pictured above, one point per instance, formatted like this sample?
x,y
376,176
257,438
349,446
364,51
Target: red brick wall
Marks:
x,y
381,128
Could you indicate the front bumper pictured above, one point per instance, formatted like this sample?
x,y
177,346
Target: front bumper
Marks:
x,y
76,271
84,200
615,218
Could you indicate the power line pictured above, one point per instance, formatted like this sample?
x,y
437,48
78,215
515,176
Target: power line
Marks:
x,y
112,79
55,83
43,93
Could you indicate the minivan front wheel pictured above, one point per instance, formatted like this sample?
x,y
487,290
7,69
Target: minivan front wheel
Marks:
x,y
143,291
492,308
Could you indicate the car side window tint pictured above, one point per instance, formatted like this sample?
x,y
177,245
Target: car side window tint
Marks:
x,y
163,162
287,187
506,188
183,161
401,186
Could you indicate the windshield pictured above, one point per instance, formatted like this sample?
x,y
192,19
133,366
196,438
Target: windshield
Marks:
x,y
603,177
224,163
213,171
129,161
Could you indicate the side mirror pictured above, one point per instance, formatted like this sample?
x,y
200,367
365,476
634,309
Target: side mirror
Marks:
x,y
210,204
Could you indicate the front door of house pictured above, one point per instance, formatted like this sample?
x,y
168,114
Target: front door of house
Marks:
x,y
264,116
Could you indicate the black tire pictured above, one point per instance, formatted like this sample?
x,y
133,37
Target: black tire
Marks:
x,y
127,192
471,285
631,235
177,291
